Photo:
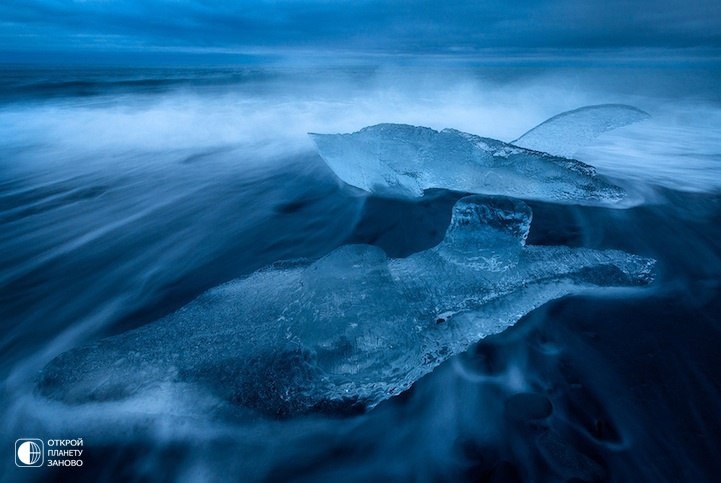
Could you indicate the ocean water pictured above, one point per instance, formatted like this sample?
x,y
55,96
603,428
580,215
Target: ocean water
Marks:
x,y
127,192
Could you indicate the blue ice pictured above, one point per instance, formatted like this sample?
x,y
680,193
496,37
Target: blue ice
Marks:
x,y
351,328
401,161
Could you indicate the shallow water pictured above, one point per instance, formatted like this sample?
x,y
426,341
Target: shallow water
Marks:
x,y
126,193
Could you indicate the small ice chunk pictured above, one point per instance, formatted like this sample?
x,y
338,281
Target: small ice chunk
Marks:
x,y
566,133
352,328
401,161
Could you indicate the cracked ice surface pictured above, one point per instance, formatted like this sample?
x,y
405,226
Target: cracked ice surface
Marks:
x,y
353,327
401,161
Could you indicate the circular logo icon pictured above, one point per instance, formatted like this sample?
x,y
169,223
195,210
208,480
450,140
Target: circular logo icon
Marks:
x,y
29,453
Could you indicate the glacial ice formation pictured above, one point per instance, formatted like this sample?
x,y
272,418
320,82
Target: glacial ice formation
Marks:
x,y
352,328
566,133
400,161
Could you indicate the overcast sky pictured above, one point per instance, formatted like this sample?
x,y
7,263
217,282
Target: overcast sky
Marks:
x,y
363,26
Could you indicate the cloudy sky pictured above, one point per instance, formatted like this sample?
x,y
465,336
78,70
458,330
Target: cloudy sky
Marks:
x,y
77,27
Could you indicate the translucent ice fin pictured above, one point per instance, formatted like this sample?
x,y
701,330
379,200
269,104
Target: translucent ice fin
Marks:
x,y
352,328
401,161
566,133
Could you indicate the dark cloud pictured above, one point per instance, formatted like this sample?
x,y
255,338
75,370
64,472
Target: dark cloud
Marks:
x,y
388,26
